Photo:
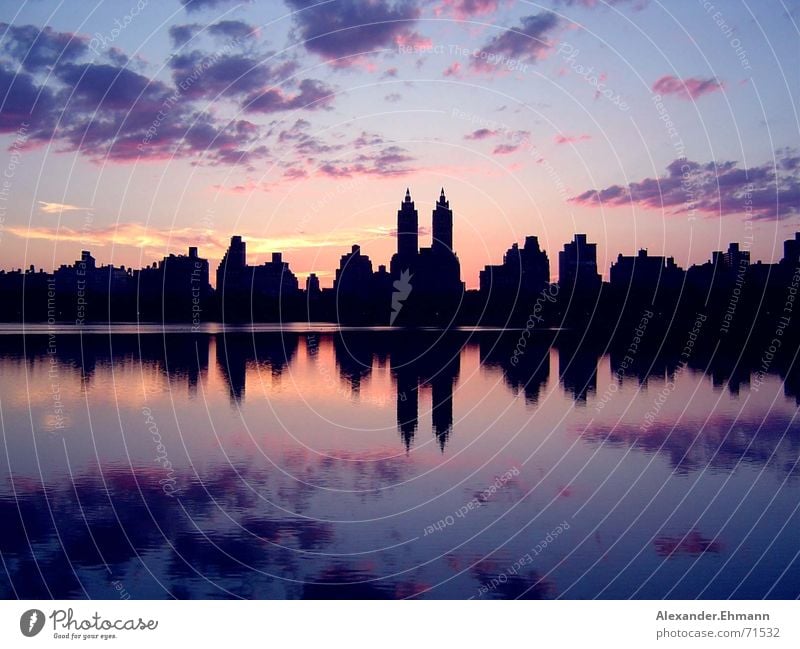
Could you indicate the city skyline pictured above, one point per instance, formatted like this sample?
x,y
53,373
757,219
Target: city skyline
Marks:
x,y
446,240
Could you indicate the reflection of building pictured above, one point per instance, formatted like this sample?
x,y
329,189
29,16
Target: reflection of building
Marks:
x,y
529,373
419,364
270,352
577,368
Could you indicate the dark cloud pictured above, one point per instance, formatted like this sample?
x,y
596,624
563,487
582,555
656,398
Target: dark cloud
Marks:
x,y
108,112
481,134
527,41
505,149
23,102
38,49
182,34
199,5
768,191
236,29
312,95
350,27
198,74
690,88
108,87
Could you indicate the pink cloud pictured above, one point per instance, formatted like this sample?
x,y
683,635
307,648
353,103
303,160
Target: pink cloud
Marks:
x,y
564,138
690,88
413,39
453,70
463,9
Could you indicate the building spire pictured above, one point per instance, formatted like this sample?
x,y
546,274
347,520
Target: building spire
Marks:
x,y
442,198
408,195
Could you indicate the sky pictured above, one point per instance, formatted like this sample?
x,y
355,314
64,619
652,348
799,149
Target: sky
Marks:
x,y
136,128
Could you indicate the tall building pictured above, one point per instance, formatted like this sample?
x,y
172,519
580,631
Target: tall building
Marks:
x,y
354,275
524,272
266,292
407,229
312,285
577,266
791,250
736,258
442,225
176,289
233,263
273,279
428,279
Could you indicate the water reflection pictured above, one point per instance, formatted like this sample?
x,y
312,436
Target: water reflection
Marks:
x,y
375,464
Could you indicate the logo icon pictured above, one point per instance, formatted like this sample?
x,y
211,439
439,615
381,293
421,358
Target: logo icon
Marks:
x,y
402,289
31,622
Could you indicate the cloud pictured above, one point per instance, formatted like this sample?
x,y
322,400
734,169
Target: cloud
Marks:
x,y
389,161
182,34
199,5
505,149
453,70
481,134
39,49
235,29
210,243
24,103
201,75
591,4
463,9
564,138
768,191
526,42
58,208
690,88
413,39
312,95
107,111
347,28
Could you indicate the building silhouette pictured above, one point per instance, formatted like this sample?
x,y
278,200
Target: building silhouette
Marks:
x,y
577,266
269,292
432,275
511,287
177,289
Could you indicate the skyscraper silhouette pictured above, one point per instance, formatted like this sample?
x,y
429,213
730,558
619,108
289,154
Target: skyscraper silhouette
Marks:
x,y
442,225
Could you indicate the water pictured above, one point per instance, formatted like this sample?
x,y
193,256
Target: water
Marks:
x,y
384,464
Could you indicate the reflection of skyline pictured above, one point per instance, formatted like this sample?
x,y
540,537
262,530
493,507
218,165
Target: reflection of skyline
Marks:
x,y
263,514
419,363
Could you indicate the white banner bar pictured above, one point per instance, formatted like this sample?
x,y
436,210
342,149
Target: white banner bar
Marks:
x,y
461,624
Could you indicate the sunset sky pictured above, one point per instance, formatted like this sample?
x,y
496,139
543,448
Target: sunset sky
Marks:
x,y
136,128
